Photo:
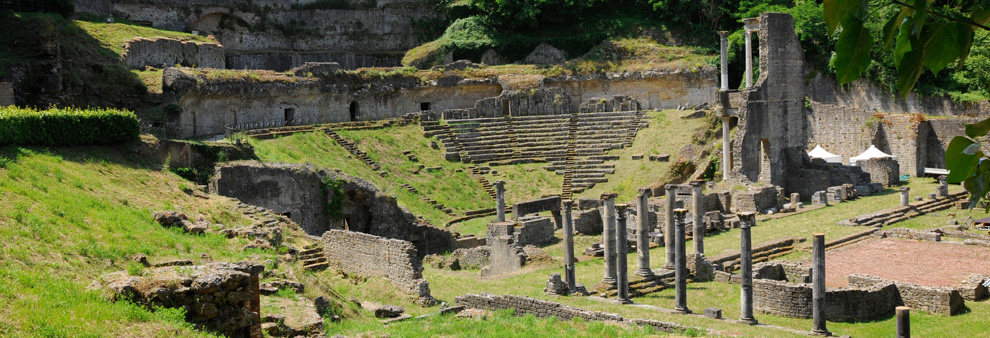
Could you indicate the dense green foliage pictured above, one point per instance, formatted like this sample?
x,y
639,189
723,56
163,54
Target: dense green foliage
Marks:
x,y
64,8
918,34
66,126
334,192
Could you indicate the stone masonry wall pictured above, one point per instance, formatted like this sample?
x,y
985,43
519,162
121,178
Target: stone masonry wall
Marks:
x,y
534,231
841,304
882,170
160,52
369,255
937,300
756,199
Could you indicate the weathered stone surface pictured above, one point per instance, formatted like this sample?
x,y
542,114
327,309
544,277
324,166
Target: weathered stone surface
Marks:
x,y
699,267
369,255
972,287
882,170
291,318
465,258
555,286
937,300
534,231
296,192
588,222
714,313
216,295
545,54
164,52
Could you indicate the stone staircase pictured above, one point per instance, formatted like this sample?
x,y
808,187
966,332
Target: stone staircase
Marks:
x,y
353,149
567,187
313,257
485,184
898,214
639,286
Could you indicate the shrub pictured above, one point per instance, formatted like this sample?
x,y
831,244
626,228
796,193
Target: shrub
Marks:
x,y
66,126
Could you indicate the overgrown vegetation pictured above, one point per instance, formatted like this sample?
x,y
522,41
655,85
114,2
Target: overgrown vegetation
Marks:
x,y
66,126
334,193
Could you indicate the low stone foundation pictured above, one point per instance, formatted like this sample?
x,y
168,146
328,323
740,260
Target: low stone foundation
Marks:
x,y
542,308
937,300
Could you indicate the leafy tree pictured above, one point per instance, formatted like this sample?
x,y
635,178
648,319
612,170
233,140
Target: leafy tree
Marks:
x,y
531,13
921,33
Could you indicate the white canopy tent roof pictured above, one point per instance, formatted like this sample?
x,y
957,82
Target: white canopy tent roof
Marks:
x,y
821,153
873,152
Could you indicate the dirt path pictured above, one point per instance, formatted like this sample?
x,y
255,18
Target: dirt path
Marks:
x,y
919,262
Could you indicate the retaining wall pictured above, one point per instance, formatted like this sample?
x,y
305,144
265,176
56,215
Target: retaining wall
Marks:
x,y
161,52
369,255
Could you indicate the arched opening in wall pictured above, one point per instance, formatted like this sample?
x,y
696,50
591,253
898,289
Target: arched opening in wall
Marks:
x,y
505,108
354,110
424,106
289,116
764,160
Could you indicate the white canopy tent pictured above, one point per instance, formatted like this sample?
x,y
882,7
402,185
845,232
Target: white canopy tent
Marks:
x,y
873,152
821,153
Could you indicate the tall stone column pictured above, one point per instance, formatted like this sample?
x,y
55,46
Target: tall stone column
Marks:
x,y
569,247
500,200
668,229
903,322
723,38
621,253
726,152
818,286
698,239
643,234
905,196
680,270
746,222
608,237
749,59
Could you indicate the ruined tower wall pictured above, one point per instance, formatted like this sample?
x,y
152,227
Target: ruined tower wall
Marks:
x,y
771,117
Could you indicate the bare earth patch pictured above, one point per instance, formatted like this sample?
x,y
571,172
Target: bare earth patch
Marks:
x,y
918,262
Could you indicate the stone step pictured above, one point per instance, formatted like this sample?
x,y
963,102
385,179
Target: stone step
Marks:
x,y
316,267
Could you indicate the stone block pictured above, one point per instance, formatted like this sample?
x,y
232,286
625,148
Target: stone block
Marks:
x,y
588,222
714,313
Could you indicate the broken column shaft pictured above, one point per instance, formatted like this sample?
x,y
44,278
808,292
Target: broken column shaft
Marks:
x,y
608,237
905,196
696,212
680,271
569,247
818,286
903,322
746,222
643,234
668,230
500,200
621,253
726,151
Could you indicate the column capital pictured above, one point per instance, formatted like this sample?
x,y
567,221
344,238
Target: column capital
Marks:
x,y
609,195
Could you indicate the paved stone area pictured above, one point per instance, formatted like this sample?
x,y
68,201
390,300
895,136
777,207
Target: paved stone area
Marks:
x,y
920,262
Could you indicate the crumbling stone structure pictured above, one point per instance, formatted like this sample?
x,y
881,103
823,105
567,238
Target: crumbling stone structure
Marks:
x,y
394,260
298,192
164,52
223,297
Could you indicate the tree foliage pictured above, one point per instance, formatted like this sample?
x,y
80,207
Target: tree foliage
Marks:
x,y
921,34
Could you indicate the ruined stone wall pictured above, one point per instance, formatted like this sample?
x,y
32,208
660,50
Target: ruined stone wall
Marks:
x,y
849,131
369,255
867,96
756,199
157,52
782,298
96,7
534,231
940,132
7,94
882,170
841,304
285,60
291,190
537,307
296,190
771,131
937,300
657,90
260,34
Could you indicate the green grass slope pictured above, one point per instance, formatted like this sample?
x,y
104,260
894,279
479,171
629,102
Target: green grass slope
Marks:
x,y
70,215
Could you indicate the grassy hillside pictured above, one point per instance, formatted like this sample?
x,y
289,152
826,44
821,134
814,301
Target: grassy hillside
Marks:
x,y
70,215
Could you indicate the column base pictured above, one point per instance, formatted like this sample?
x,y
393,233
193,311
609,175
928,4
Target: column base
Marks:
x,y
610,281
821,332
684,311
645,273
669,265
750,321
623,301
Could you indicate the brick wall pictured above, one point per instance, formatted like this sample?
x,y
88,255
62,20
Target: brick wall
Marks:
x,y
392,259
937,300
756,199
534,231
882,170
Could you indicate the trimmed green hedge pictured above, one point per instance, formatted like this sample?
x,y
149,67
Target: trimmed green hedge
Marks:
x,y
66,126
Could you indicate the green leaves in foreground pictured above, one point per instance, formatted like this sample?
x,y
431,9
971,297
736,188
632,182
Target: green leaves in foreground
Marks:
x,y
966,163
924,39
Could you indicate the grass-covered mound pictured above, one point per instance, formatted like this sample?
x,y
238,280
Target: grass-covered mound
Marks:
x,y
66,126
